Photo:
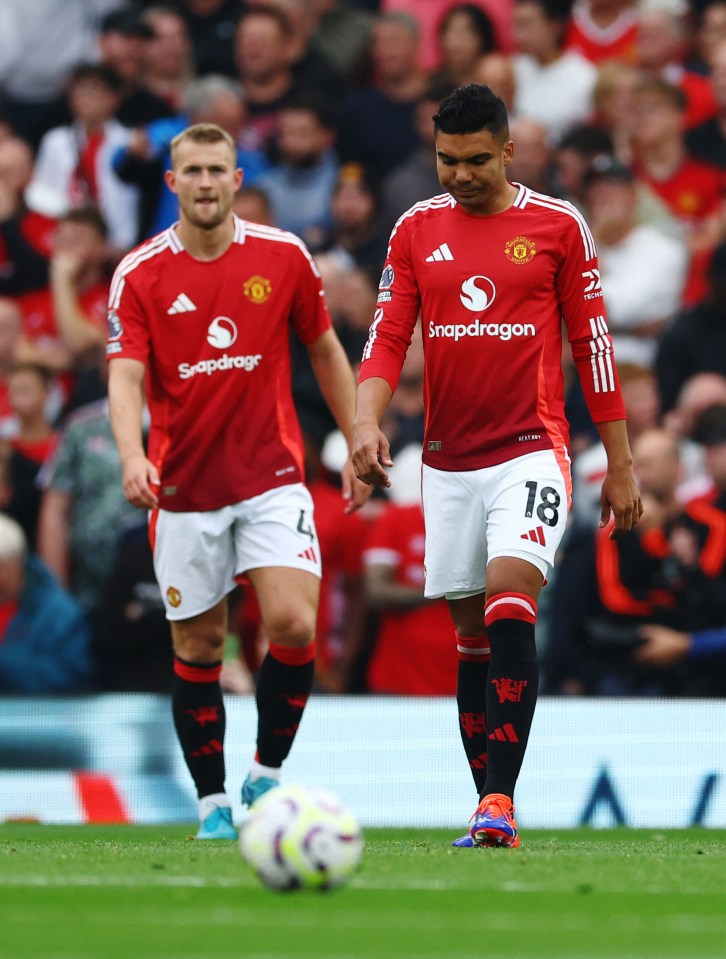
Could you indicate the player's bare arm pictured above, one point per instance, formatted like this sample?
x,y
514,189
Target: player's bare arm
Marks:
x,y
125,393
335,376
371,450
620,495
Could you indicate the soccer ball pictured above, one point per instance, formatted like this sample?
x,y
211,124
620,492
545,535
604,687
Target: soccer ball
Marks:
x,y
301,838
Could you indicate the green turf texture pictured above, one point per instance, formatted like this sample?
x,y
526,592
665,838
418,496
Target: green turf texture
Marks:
x,y
150,892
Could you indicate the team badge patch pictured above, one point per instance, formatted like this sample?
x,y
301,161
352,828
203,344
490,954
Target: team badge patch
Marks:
x,y
387,277
173,597
520,250
115,329
257,289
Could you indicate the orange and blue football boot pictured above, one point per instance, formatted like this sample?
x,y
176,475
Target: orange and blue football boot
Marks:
x,y
493,822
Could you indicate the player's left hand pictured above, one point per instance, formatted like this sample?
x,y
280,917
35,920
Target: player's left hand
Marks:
x,y
355,491
620,497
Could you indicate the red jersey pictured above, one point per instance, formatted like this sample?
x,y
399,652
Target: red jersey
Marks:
x,y
214,336
493,292
39,323
619,41
693,192
415,649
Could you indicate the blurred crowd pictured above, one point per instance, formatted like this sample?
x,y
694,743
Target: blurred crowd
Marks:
x,y
616,105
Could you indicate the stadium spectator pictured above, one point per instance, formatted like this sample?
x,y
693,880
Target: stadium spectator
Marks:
x,y
695,342
300,184
532,163
73,167
342,37
252,203
710,432
44,638
604,30
143,161
83,510
168,65
29,387
487,550
707,141
209,493
709,34
612,99
496,70
415,179
25,235
552,85
642,270
412,654
663,42
211,25
357,238
65,323
377,123
464,35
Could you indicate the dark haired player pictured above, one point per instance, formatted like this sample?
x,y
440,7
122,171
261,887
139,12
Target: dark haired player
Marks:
x,y
494,269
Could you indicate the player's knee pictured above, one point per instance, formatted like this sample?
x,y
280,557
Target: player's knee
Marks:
x,y
291,627
202,646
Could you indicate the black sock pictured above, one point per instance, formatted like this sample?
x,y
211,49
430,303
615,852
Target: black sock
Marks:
x,y
471,693
283,687
199,719
511,687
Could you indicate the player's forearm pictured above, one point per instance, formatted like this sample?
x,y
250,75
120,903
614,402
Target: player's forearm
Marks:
x,y
126,404
372,399
614,438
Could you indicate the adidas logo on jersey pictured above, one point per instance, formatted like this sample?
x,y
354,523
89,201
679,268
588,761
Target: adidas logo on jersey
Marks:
x,y
182,304
535,535
440,253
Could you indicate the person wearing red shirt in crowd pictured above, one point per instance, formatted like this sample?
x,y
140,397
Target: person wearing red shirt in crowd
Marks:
x,y
64,324
199,319
494,268
604,30
412,654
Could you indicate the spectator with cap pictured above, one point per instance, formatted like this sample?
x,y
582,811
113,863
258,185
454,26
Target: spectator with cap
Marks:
x,y
642,270
44,638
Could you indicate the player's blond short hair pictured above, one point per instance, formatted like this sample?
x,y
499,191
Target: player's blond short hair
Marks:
x,y
202,133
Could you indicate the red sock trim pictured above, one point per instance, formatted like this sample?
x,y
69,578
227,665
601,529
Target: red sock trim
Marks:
x,y
511,606
473,649
293,655
197,672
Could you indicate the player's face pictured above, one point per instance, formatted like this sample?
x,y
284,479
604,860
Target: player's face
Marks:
x,y
205,179
472,167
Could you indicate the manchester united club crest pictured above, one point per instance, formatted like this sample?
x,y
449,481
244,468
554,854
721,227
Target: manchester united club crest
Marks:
x,y
257,289
173,596
520,250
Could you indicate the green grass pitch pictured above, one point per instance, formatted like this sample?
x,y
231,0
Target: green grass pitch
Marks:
x,y
139,892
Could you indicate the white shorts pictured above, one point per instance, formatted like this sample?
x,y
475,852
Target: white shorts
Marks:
x,y
198,555
518,508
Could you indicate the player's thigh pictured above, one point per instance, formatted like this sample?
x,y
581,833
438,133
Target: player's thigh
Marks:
x,y
200,639
193,560
455,518
528,499
288,600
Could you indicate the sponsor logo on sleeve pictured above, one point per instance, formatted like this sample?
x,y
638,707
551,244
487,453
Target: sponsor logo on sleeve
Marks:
x,y
593,289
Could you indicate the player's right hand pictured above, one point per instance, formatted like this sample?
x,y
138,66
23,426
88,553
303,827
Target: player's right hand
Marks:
x,y
141,480
371,456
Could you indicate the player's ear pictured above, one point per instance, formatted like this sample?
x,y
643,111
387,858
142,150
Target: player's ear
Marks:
x,y
238,178
508,152
170,178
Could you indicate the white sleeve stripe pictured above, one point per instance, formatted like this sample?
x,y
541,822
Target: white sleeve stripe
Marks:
x,y
601,363
562,206
130,262
435,203
281,236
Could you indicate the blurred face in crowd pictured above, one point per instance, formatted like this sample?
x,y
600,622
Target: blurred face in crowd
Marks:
x,y
92,102
27,393
656,118
12,575
534,32
532,153
659,39
252,206
169,49
611,208
712,30
394,51
262,49
82,240
302,137
657,464
460,44
123,52
205,178
228,112
352,204
642,403
718,75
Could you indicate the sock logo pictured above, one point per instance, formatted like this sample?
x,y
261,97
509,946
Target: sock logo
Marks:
x,y
505,734
204,714
208,749
296,702
473,724
479,762
509,690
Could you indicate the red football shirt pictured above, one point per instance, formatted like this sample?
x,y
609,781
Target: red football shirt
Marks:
x,y
618,41
493,292
215,339
693,192
415,649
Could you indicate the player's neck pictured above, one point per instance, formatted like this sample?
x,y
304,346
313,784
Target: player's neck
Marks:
x,y
205,244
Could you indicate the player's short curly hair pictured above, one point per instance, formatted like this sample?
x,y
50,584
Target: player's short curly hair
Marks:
x,y
472,108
